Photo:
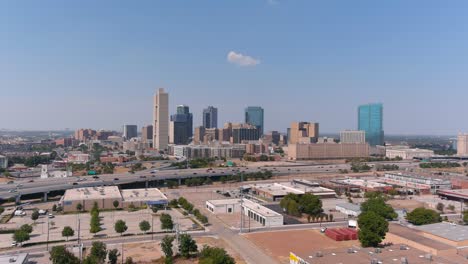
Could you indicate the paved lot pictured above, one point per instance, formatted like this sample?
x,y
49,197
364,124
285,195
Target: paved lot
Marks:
x,y
108,219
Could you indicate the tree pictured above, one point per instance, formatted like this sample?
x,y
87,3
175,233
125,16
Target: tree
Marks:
x,y
293,208
187,245
60,255
440,207
113,256
27,228
310,204
54,208
120,226
68,232
377,204
35,215
129,260
98,251
79,207
215,255
115,204
465,216
95,208
21,236
330,217
145,226
423,216
95,223
451,208
166,222
166,247
372,229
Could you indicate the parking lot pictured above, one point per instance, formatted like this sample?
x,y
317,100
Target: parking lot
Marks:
x,y
82,222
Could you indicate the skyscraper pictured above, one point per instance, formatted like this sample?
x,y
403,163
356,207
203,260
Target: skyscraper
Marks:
x,y
210,117
147,135
370,120
254,116
181,127
130,131
161,120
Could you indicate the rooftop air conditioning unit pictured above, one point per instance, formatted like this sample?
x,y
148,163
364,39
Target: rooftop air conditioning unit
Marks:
x,y
319,254
403,247
404,260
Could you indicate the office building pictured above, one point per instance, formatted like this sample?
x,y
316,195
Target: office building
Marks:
x,y
217,151
210,117
462,144
303,132
407,153
161,120
416,183
327,151
241,132
84,134
370,120
181,126
254,116
147,135
130,131
352,136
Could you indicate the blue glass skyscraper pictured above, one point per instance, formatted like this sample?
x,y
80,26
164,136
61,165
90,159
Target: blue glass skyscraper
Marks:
x,y
370,120
254,116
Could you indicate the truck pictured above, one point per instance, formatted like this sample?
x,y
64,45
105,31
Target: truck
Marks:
x,y
352,223
19,213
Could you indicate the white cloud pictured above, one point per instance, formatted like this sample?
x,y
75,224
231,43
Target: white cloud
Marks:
x,y
241,60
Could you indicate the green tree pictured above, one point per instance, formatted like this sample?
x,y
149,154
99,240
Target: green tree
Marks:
x,y
310,204
95,223
27,228
98,251
465,216
115,204
113,256
423,216
120,226
451,208
166,247
293,208
377,204
95,208
440,207
21,236
79,207
372,229
129,260
68,232
187,245
215,255
166,222
60,255
145,226
54,208
35,215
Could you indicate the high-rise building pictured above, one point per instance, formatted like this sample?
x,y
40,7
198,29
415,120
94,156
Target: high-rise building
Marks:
x,y
242,132
130,131
303,132
370,120
254,116
147,134
210,117
161,120
181,126
352,136
462,144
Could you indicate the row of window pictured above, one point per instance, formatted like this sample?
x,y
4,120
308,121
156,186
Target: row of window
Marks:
x,y
257,217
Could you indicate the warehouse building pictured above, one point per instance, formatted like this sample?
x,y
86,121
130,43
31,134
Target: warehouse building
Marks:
x,y
276,191
349,209
256,212
365,185
407,153
105,197
418,184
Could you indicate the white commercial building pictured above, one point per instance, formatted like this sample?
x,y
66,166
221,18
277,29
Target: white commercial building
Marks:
x,y
353,136
349,209
407,153
257,212
462,144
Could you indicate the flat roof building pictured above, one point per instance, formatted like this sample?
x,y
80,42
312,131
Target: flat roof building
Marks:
x,y
18,258
420,184
140,197
275,191
255,211
408,153
460,194
451,234
349,209
327,151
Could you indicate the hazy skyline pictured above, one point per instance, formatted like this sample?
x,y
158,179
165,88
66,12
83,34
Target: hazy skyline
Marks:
x,y
97,64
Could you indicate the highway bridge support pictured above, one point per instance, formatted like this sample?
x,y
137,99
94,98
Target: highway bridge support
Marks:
x,y
45,197
180,181
18,199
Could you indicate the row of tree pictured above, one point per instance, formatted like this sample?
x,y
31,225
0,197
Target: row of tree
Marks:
x,y
97,255
187,206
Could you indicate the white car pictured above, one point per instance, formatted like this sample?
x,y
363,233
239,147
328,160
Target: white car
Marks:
x,y
51,216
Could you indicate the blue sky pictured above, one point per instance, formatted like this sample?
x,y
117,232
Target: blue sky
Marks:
x,y
71,64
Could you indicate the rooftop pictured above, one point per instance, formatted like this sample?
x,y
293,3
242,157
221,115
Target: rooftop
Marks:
x,y
224,202
460,193
107,192
446,230
14,258
150,194
296,187
259,209
350,206
364,183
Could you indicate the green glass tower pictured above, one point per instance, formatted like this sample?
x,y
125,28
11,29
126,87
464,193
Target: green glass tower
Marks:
x,y
370,120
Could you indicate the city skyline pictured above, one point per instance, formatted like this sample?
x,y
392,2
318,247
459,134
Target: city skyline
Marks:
x,y
299,60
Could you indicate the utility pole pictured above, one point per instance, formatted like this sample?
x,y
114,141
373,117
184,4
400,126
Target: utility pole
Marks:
x,y
47,233
241,195
152,229
122,252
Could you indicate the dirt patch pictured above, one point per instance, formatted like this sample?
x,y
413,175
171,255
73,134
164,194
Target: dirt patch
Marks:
x,y
140,252
299,241
216,242
406,204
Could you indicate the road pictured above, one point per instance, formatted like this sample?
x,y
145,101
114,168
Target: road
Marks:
x,y
23,187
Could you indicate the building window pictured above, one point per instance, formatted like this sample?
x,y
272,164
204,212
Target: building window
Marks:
x,y
229,210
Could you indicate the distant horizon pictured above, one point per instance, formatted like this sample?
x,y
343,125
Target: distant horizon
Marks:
x,y
95,64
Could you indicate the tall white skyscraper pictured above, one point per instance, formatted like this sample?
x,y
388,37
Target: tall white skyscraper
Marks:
x,y
161,120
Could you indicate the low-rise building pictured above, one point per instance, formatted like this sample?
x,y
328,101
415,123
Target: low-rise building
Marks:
x,y
327,151
276,191
419,184
77,157
408,153
140,197
255,211
349,209
365,185
17,258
